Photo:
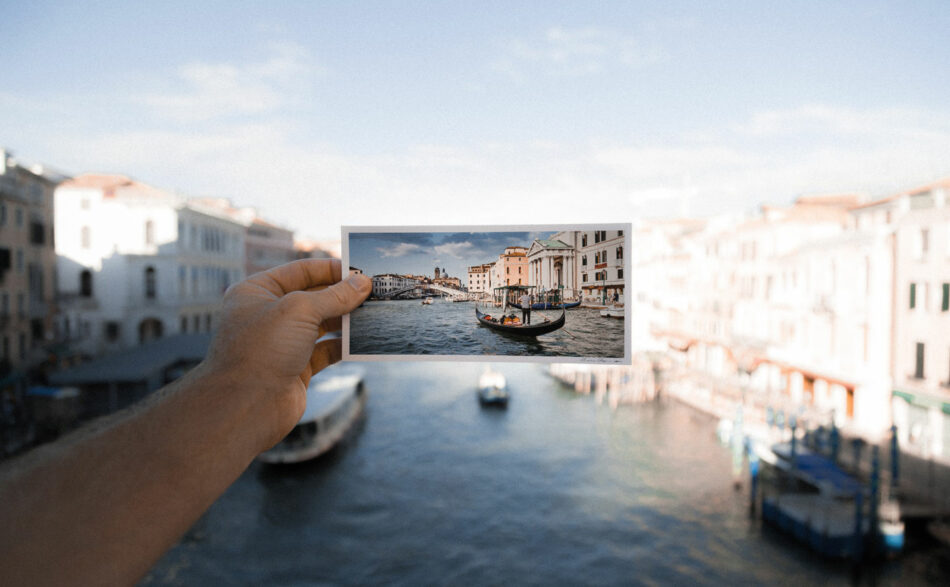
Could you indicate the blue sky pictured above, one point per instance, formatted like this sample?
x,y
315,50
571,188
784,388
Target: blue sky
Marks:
x,y
419,253
322,114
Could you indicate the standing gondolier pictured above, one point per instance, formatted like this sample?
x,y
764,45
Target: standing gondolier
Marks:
x,y
526,308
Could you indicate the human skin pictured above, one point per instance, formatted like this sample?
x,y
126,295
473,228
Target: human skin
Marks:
x,y
102,505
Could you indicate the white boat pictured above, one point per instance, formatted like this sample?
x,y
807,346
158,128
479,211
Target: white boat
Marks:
x,y
426,301
612,311
335,399
492,388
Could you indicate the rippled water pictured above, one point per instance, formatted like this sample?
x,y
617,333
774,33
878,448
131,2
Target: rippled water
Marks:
x,y
447,328
556,490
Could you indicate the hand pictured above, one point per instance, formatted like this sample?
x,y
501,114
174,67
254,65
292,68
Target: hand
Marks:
x,y
265,343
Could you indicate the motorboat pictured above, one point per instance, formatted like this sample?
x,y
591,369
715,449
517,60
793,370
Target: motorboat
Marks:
x,y
336,398
492,389
427,301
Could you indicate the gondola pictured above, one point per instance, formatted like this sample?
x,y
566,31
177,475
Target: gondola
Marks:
x,y
522,329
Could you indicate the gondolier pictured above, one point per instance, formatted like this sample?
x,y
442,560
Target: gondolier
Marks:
x,y
526,308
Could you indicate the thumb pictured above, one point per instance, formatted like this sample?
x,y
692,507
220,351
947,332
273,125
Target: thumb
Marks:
x,y
340,298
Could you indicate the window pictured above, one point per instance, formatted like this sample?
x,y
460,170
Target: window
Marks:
x,y
150,283
3,214
149,233
37,233
619,233
583,259
919,362
85,237
19,260
945,303
184,324
85,283
112,331
913,295
196,323
620,252
596,236
584,278
603,235
620,273
19,216
584,240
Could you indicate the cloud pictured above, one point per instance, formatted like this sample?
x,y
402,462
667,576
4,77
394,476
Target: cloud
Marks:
x,y
399,250
202,91
571,52
457,250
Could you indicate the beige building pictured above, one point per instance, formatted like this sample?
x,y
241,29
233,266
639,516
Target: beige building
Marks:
x,y
511,268
27,265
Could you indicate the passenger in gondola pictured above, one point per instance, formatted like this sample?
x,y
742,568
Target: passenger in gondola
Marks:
x,y
526,308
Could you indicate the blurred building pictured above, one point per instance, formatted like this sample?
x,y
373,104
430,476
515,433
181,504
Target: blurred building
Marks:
x,y
27,265
137,263
921,301
317,249
266,245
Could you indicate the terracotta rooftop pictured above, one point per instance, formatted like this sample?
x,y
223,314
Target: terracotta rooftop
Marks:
x,y
940,183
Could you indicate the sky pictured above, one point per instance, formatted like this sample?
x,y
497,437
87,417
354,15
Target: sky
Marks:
x,y
385,113
419,253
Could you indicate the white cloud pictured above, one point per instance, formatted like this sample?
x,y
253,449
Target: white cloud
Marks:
x,y
400,250
204,91
574,52
456,250
315,188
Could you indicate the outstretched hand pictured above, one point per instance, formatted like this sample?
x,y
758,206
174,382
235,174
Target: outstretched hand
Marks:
x,y
269,325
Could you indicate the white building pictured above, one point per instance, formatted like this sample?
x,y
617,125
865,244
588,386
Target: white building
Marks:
x,y
552,264
921,353
266,245
601,264
136,263
479,278
390,283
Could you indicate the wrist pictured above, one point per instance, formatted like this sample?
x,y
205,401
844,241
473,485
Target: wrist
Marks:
x,y
260,410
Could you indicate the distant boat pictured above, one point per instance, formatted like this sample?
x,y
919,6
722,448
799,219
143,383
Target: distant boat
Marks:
x,y
613,311
335,399
492,389
426,301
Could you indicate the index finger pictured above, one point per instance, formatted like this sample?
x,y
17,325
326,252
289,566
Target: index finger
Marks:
x,y
299,275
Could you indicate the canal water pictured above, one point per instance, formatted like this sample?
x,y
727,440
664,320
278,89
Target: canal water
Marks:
x,y
407,327
431,489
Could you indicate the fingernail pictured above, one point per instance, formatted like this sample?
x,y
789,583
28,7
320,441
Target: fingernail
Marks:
x,y
358,281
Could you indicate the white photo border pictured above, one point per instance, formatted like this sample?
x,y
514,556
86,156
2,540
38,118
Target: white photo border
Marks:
x,y
627,227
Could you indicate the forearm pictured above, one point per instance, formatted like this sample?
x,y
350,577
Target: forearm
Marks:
x,y
129,489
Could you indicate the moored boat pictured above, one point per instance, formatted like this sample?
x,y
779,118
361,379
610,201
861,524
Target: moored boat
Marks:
x,y
335,399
